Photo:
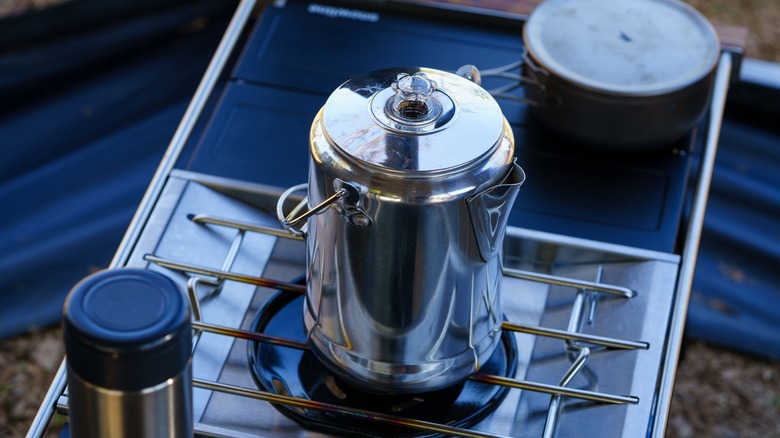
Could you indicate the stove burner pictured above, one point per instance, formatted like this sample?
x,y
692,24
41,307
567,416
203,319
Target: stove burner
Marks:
x,y
294,372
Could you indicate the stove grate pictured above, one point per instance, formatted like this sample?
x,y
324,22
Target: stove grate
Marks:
x,y
578,345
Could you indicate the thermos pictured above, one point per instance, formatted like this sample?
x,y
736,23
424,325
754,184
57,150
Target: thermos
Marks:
x,y
128,344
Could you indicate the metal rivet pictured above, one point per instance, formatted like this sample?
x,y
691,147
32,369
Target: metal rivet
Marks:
x,y
361,220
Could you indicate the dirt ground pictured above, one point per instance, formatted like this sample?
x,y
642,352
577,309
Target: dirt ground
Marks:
x,y
760,17
718,393
722,394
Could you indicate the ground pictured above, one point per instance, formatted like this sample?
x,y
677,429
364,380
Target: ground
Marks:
x,y
718,393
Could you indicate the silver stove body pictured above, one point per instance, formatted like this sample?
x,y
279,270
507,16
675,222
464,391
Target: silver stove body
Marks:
x,y
176,245
633,373
598,326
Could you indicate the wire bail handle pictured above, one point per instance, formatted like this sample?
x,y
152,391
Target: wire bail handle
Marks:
x,y
347,199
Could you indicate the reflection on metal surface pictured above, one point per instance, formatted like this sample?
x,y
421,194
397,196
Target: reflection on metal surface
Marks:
x,y
574,336
214,220
368,415
251,336
533,291
195,269
557,390
569,282
571,335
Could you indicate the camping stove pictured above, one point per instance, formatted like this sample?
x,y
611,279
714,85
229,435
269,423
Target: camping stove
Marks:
x,y
584,318
591,334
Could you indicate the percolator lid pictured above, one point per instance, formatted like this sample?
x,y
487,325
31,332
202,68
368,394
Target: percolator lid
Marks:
x,y
413,120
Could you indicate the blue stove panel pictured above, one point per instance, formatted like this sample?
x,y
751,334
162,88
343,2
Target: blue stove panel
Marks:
x,y
296,56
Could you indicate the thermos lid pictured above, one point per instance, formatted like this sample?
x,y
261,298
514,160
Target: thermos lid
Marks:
x,y
413,120
127,329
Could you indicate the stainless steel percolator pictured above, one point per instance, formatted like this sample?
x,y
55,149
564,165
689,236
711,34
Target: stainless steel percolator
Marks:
x,y
411,180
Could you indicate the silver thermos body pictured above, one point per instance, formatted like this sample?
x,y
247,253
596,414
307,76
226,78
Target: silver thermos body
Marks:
x,y
128,342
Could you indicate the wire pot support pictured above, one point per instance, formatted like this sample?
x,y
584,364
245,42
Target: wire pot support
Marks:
x,y
578,345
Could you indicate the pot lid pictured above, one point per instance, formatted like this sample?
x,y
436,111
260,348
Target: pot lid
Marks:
x,y
412,120
642,47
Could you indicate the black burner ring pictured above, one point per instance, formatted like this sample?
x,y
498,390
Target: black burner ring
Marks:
x,y
293,372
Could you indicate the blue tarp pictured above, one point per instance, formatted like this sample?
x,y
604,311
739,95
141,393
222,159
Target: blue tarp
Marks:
x,y
735,299
92,92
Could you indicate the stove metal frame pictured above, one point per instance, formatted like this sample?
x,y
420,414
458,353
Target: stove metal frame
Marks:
x,y
575,340
178,222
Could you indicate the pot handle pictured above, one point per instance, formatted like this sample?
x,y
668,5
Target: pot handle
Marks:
x,y
289,222
536,77
471,73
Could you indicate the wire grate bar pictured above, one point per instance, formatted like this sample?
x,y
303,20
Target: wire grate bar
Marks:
x,y
250,336
483,378
246,226
570,282
572,336
288,287
249,279
556,390
517,273
358,413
